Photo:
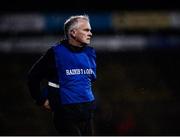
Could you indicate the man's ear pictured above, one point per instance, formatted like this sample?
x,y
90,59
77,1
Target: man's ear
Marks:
x,y
72,34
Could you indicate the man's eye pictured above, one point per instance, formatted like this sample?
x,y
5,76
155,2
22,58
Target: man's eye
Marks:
x,y
87,30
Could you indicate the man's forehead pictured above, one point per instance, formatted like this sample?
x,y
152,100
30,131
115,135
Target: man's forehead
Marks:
x,y
84,23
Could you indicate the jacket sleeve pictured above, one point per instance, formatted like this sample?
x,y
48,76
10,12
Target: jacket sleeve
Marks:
x,y
40,71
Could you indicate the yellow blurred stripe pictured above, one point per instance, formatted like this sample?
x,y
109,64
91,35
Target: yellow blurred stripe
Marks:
x,y
141,20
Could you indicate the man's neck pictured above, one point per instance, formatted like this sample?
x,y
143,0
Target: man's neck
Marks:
x,y
72,47
75,43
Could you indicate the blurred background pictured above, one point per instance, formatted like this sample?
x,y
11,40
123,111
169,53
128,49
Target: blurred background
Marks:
x,y
137,44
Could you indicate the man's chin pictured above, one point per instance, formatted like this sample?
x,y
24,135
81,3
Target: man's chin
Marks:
x,y
87,42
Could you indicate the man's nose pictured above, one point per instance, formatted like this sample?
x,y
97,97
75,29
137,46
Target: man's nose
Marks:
x,y
90,34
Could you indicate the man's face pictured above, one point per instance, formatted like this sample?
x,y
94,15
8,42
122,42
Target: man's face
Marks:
x,y
83,32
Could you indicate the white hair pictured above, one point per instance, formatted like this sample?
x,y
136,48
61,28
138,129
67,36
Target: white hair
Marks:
x,y
73,22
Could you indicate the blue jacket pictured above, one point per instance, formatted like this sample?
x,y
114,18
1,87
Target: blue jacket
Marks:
x,y
76,71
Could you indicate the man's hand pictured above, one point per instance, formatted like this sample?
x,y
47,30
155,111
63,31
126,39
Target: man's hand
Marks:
x,y
46,105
